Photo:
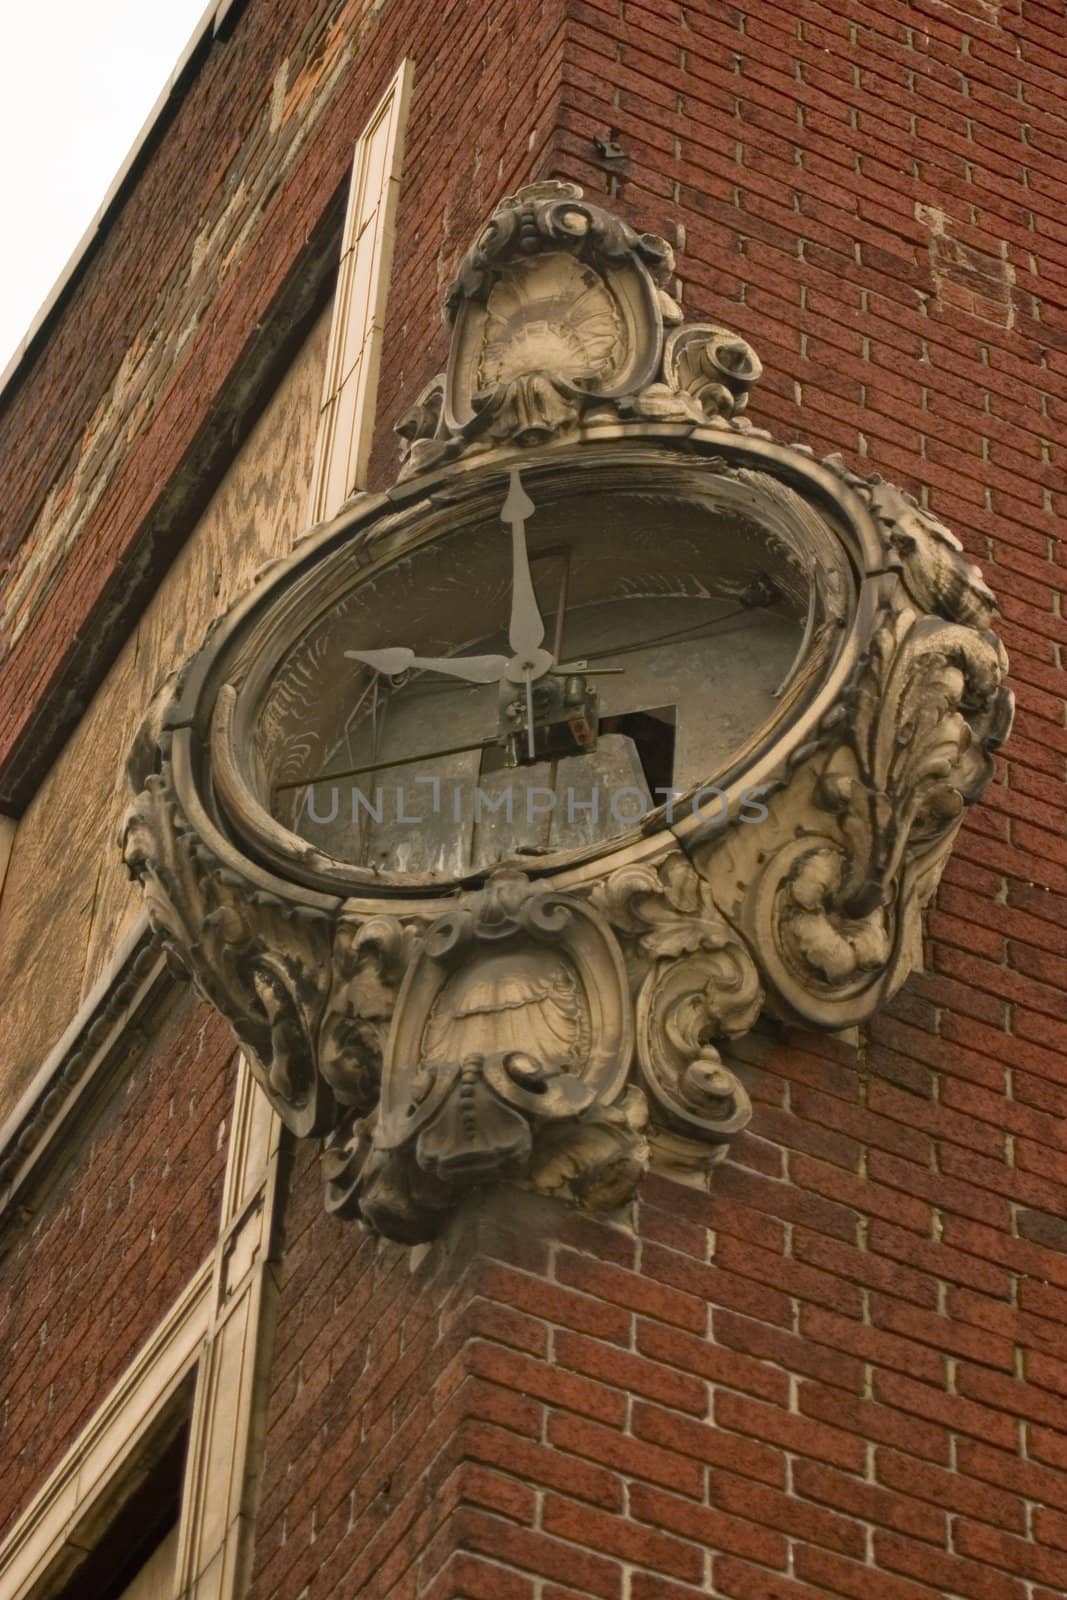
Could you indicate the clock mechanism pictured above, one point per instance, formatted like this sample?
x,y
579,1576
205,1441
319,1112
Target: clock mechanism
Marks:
x,y
558,716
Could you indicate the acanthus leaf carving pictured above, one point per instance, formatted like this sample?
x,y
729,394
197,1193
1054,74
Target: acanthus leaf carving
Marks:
x,y
260,960
308,993
598,1161
934,570
698,983
909,747
370,957
936,573
712,367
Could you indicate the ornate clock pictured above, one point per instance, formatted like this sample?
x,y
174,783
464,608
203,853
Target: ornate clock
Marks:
x,y
499,807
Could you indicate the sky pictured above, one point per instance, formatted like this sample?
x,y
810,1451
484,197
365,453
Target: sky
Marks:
x,y
77,81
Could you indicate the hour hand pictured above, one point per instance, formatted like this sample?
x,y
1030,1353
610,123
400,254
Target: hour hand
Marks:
x,y
473,669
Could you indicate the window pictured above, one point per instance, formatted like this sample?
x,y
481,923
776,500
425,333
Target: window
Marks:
x,y
347,421
135,1557
155,1491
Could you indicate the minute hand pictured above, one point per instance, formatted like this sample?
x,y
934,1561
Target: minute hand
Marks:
x,y
527,628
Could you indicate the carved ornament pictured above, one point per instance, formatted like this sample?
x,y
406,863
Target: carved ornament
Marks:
x,y
561,311
566,1018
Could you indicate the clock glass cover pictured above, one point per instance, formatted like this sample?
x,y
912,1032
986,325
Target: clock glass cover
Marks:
x,y
669,631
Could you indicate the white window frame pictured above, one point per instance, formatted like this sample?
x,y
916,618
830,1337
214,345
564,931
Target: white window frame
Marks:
x,y
353,361
213,1328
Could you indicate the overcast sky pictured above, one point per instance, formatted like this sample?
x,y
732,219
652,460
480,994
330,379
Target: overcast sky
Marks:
x,y
77,81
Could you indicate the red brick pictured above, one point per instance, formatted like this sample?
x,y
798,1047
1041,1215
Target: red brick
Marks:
x,y
628,1540
952,1573
955,1266
555,1303
942,1333
710,1444
891,1507
732,1369
870,1345
793,1352
799,1434
857,1266
631,1291
539,1553
956,1412
733,1279
649,1586
672,1466
839,1576
711,1527
512,1370
952,1489
469,1577
124,1231
630,1374
555,1468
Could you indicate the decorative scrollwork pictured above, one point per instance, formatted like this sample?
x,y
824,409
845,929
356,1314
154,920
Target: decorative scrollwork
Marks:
x,y
261,961
308,993
370,957
560,310
509,1057
908,748
564,1030
699,984
713,367
547,217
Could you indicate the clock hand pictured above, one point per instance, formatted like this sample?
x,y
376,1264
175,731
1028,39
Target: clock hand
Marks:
x,y
474,669
527,630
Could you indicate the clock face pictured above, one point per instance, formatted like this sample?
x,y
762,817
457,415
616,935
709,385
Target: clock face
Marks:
x,y
671,629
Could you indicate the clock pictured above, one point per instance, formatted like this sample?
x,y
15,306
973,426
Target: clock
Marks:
x,y
556,689
544,691
500,809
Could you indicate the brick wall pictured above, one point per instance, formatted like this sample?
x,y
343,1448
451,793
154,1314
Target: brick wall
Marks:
x,y
790,1388
841,1372
91,1272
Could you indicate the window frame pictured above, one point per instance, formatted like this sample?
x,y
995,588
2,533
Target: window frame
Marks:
x,y
354,355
